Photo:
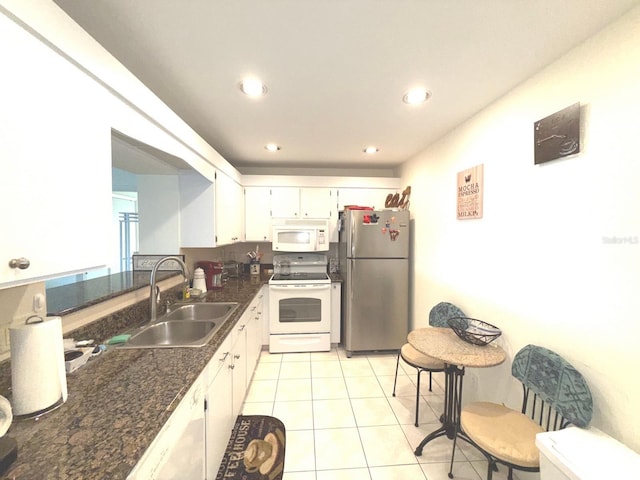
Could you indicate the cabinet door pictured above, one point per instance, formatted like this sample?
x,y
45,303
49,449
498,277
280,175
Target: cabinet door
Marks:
x,y
229,208
55,151
336,311
219,413
254,335
285,202
178,451
239,367
317,202
257,214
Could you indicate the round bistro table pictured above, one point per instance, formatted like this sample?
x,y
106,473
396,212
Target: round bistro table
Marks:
x,y
445,345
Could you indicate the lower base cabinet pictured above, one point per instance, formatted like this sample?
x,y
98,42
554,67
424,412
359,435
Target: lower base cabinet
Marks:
x,y
177,451
239,366
193,441
219,407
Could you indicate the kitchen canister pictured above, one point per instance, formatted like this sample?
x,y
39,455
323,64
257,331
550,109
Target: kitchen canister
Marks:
x,y
199,280
38,376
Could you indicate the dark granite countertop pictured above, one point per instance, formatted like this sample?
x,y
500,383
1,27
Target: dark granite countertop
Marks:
x,y
117,403
66,299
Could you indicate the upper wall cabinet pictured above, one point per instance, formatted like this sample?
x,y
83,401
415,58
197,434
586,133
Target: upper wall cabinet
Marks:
x,y
55,173
229,210
211,214
306,202
257,214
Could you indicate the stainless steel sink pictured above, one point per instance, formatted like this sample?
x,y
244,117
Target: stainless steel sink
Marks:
x,y
173,334
202,311
191,325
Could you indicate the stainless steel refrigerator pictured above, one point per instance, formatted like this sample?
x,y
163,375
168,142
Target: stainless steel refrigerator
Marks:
x,y
374,261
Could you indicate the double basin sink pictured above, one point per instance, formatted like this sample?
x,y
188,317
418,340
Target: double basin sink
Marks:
x,y
189,325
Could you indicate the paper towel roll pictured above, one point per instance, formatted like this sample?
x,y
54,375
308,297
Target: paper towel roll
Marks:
x,y
6,415
38,377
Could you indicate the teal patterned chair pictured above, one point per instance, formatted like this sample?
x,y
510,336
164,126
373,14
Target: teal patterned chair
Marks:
x,y
554,395
438,317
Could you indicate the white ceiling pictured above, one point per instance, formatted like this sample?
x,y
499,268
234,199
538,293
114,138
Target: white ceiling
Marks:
x,y
336,70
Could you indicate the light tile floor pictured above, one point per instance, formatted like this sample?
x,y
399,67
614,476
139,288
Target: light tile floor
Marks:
x,y
342,421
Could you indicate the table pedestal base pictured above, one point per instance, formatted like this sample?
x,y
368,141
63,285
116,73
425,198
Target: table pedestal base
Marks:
x,y
450,419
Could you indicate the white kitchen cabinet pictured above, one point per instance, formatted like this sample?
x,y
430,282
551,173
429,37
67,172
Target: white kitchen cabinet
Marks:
x,y
198,431
229,210
336,311
177,452
239,367
211,214
219,413
55,177
254,334
285,202
305,202
230,372
248,335
257,214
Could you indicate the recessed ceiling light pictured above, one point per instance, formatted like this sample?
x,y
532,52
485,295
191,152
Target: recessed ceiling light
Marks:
x,y
371,150
416,96
253,87
272,147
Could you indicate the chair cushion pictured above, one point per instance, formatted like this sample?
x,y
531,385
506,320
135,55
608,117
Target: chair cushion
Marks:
x,y
416,359
502,432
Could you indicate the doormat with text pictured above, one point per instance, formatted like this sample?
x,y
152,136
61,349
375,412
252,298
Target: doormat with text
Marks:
x,y
255,450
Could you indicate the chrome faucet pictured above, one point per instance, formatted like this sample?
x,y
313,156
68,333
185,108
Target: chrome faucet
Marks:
x,y
154,294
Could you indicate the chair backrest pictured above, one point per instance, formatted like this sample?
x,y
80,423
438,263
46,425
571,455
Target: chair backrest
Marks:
x,y
442,312
556,386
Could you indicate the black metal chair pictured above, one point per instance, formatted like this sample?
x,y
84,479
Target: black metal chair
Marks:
x,y
438,317
554,395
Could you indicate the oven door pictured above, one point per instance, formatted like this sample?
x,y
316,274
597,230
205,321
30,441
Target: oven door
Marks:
x,y
300,308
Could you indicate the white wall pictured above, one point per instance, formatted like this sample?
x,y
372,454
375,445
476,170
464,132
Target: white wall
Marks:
x,y
159,212
537,265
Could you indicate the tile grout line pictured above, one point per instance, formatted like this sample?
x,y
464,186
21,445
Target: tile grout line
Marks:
x,y
377,374
355,419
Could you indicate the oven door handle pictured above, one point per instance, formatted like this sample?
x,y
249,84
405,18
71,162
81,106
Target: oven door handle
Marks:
x,y
323,286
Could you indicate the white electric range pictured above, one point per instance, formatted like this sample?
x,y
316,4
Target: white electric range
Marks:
x,y
299,304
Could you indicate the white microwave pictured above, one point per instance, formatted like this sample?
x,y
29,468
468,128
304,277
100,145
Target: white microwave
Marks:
x,y
300,235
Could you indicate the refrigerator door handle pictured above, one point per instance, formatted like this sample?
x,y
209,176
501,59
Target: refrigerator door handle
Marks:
x,y
352,238
352,270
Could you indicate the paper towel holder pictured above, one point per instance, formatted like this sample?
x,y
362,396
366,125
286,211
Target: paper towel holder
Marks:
x,y
40,319
33,320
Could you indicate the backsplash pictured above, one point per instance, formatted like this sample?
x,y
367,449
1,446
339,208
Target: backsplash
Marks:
x,y
238,252
16,305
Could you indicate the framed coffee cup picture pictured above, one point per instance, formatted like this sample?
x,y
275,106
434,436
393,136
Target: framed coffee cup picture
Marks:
x,y
557,135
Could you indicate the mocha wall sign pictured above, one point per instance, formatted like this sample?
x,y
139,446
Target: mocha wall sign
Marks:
x,y
470,192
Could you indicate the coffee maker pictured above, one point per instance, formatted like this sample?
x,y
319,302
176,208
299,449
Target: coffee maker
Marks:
x,y
212,274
